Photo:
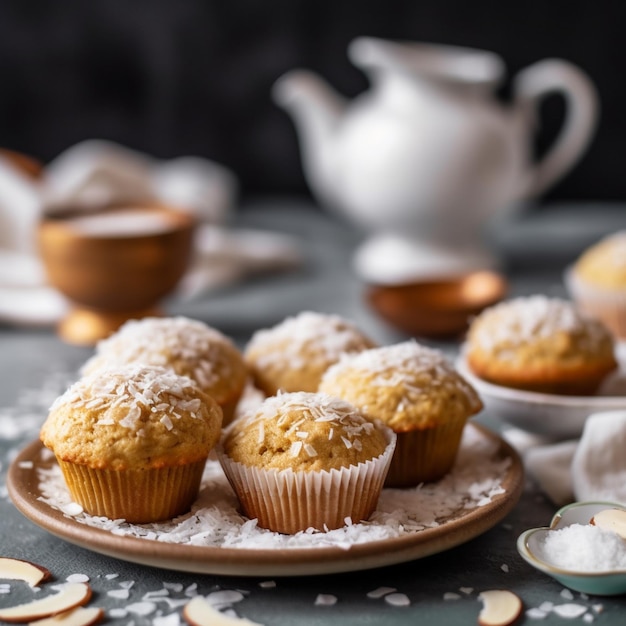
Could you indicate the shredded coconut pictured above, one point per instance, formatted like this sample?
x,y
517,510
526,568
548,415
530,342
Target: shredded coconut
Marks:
x,y
597,549
215,520
160,341
524,319
330,334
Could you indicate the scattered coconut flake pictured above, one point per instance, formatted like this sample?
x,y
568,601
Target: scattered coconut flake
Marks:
x,y
310,450
397,599
296,446
126,584
569,610
505,568
191,590
224,598
466,590
598,608
380,592
120,594
325,599
77,578
536,613
567,594
267,584
72,509
159,593
176,587
167,422
588,618
173,619
25,465
117,612
450,595
111,576
141,608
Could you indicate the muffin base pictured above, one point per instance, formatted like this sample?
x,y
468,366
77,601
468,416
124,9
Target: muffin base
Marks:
x,y
288,502
424,455
137,496
584,380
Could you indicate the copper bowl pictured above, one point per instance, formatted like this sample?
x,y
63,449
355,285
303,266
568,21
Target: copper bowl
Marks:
x,y
437,308
26,164
115,265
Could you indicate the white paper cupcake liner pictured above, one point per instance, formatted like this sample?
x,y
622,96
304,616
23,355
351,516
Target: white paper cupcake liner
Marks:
x,y
288,501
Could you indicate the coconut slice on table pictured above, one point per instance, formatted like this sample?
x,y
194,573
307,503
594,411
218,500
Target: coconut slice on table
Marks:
x,y
69,596
17,569
198,612
500,608
79,616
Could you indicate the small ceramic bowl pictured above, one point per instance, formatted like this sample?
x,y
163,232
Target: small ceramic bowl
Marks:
x,y
114,265
437,308
550,415
595,583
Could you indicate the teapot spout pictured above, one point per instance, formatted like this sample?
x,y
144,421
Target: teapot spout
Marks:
x,y
316,111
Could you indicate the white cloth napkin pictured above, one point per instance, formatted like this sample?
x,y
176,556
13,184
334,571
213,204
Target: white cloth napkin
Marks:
x,y
95,173
592,468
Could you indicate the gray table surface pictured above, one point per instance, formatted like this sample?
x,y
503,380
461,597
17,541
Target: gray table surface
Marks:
x,y
35,366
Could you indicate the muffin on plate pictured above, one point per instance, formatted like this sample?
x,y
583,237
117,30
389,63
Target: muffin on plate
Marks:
x,y
293,355
417,393
132,442
597,282
306,460
189,347
541,344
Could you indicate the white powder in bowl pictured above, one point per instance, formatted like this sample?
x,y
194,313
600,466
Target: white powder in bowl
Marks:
x,y
584,548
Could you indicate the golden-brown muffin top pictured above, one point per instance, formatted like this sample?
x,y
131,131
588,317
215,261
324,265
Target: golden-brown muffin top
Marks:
x,y
604,263
189,347
537,329
132,417
304,431
293,355
407,386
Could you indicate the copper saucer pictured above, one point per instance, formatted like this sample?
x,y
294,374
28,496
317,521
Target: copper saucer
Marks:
x,y
437,308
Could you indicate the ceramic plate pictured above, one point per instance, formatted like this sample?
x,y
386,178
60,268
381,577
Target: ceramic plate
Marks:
x,y
460,527
555,416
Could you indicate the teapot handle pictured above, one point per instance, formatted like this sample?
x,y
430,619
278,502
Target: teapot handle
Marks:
x,y
558,76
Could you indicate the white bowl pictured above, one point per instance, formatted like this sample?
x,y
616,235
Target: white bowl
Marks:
x,y
596,583
551,415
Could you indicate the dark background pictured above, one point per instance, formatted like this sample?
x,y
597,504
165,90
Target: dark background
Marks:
x,y
175,77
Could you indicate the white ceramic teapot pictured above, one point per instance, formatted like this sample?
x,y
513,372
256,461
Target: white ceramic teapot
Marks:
x,y
428,154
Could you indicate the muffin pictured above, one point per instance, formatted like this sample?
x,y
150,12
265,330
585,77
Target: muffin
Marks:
x,y
306,460
293,355
417,393
597,282
540,344
189,347
132,442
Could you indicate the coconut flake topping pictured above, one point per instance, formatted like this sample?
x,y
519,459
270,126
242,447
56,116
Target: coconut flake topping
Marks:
x,y
134,387
330,334
161,340
524,319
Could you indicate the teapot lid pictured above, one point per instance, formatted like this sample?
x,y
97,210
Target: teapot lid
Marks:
x,y
454,63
